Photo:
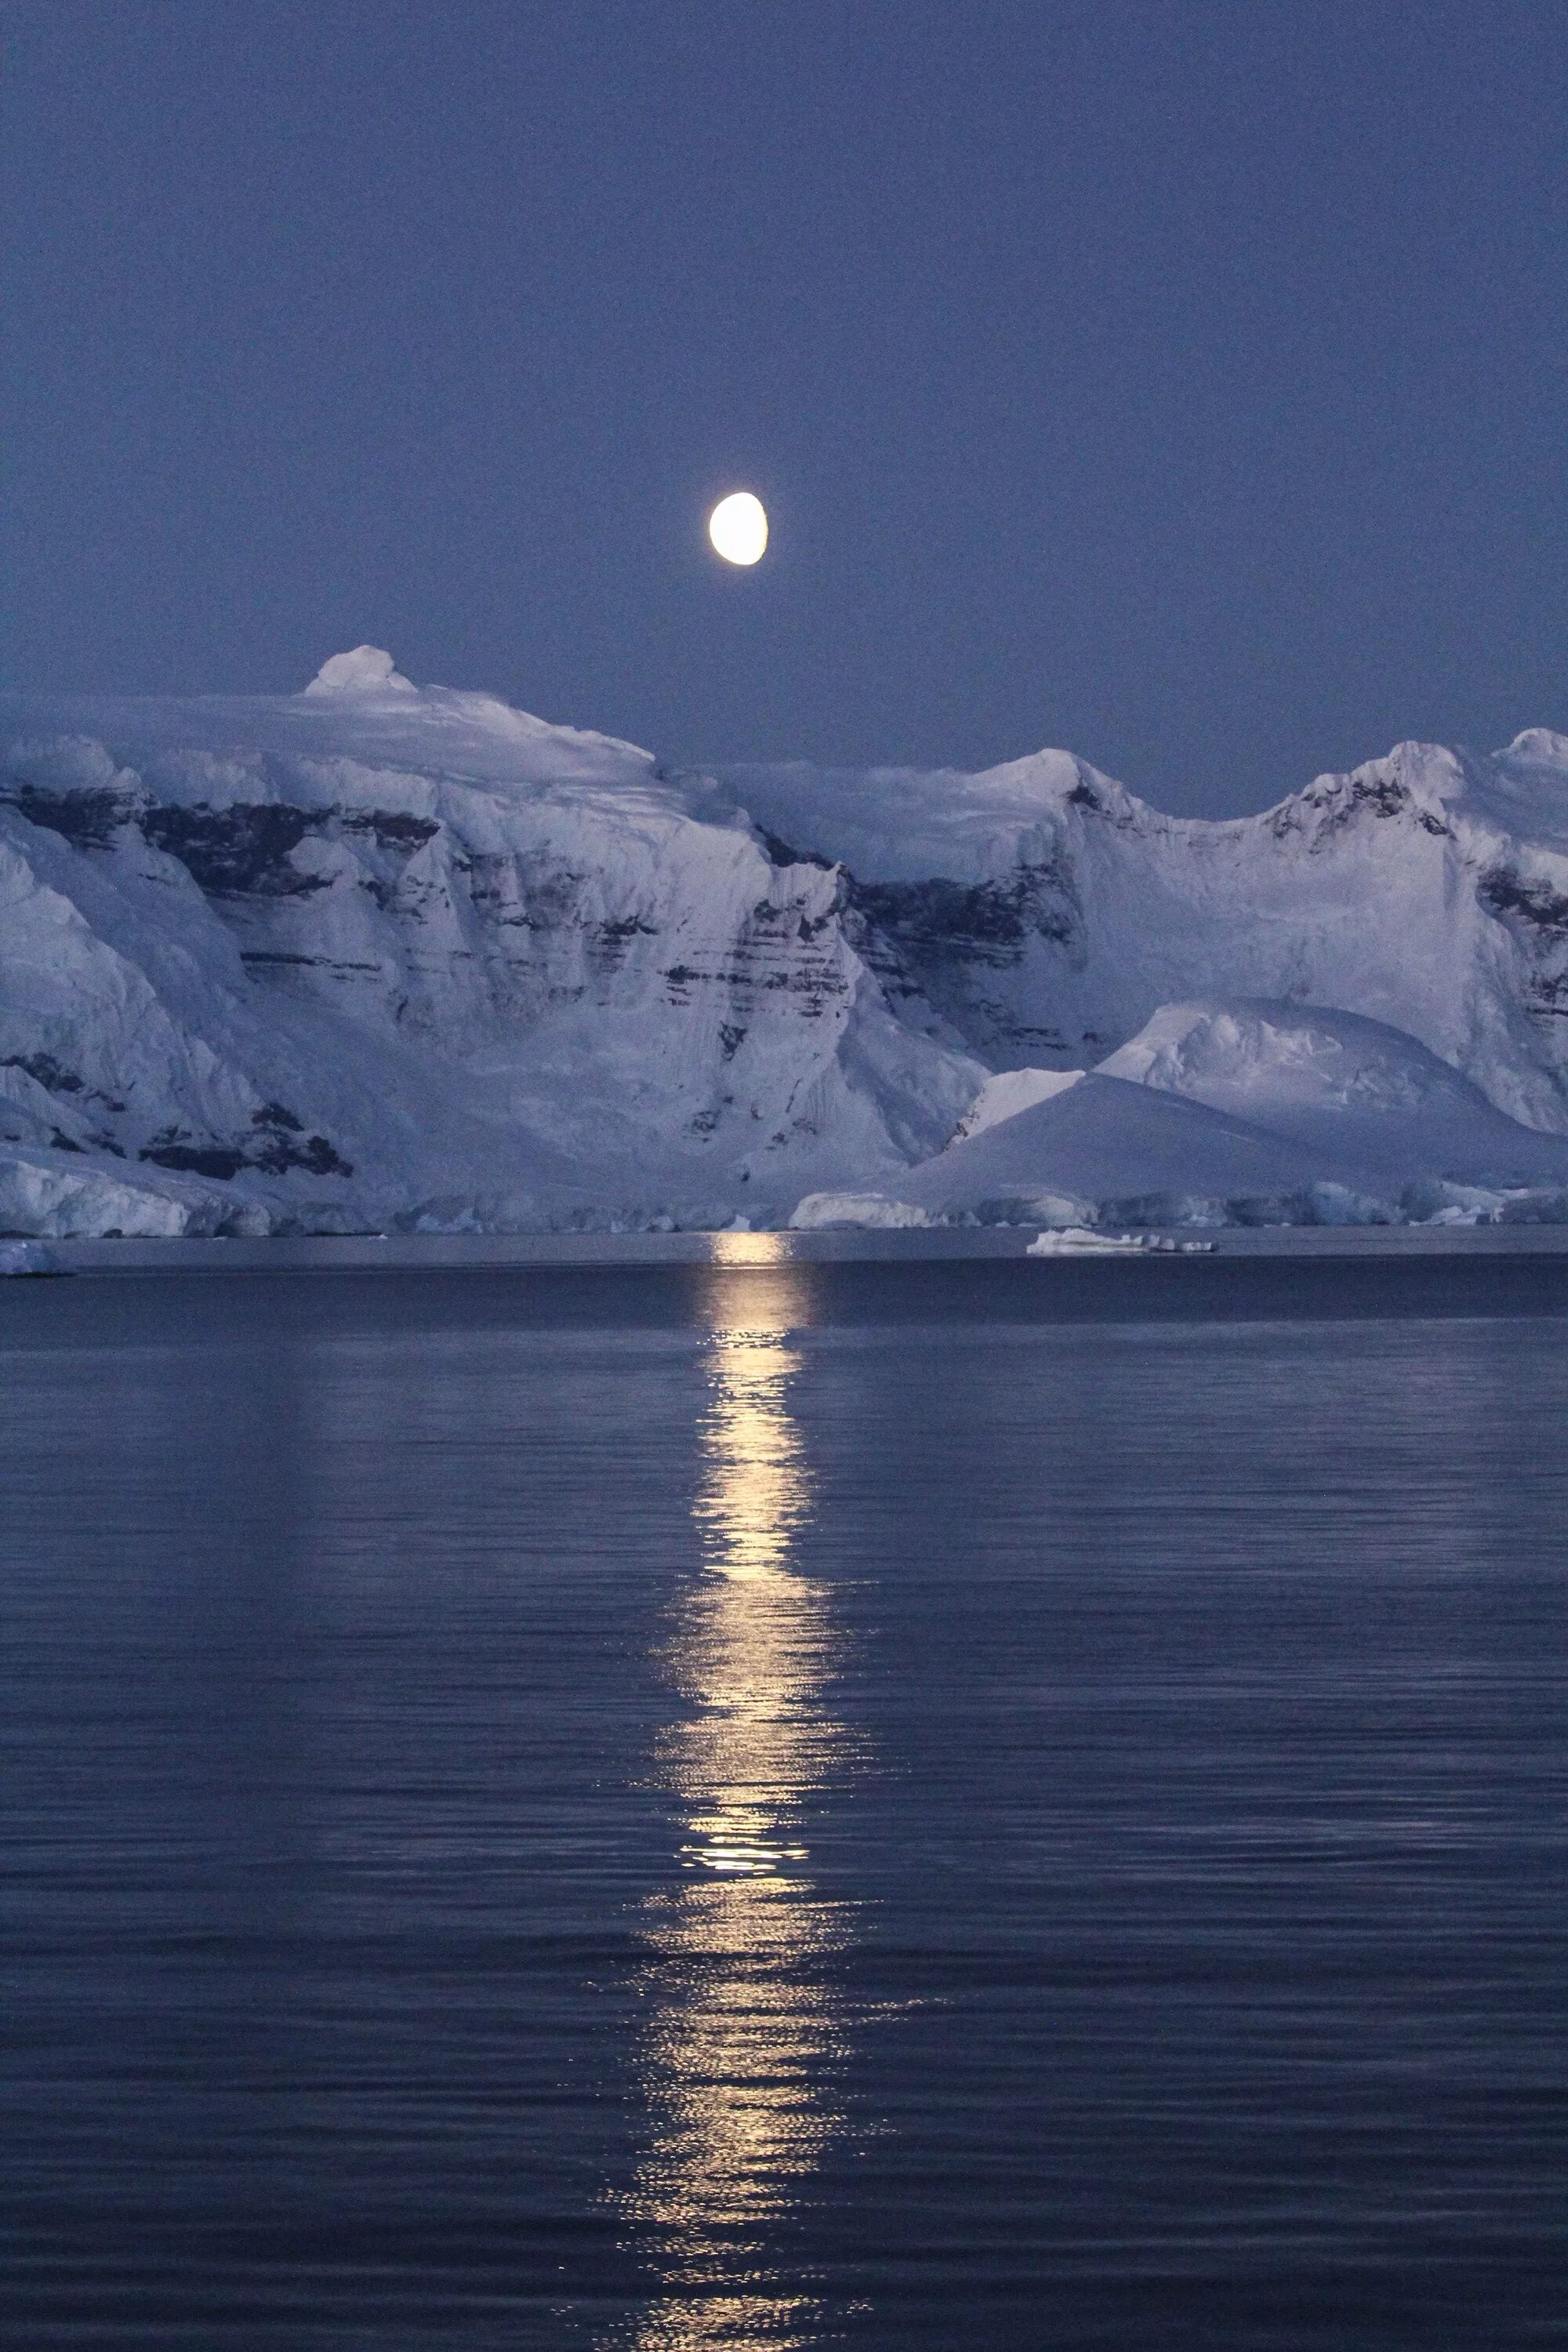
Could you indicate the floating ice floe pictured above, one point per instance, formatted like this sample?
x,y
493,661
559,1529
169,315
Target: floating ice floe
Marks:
x,y
27,1258
1078,1241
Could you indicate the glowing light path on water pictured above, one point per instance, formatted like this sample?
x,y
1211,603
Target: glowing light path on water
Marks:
x,y
745,2036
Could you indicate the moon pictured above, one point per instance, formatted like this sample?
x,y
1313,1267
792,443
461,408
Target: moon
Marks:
x,y
738,528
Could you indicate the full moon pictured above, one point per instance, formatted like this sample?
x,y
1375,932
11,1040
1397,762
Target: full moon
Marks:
x,y
738,528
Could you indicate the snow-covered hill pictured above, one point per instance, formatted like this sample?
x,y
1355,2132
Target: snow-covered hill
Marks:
x,y
1264,1111
1339,1086
375,955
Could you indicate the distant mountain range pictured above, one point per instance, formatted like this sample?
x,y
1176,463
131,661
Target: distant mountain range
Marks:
x,y
375,958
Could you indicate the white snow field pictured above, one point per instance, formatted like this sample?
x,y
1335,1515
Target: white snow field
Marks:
x,y
379,956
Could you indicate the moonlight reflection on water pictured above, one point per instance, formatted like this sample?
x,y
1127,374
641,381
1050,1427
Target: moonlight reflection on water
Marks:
x,y
693,1804
744,2033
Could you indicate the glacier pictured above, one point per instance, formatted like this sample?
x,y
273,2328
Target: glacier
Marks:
x,y
378,957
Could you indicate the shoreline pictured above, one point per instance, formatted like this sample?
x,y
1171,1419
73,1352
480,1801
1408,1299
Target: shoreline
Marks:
x,y
518,1252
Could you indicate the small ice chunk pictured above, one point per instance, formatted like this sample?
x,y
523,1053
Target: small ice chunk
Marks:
x,y
1076,1240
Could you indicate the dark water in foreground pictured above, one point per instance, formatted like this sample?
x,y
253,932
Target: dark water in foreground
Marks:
x,y
897,1806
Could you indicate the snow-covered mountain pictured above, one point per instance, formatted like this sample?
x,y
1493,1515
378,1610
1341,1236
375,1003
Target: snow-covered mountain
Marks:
x,y
375,955
368,952
1047,913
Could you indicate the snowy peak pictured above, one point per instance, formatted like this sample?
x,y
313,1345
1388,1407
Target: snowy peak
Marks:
x,y
365,670
912,824
1416,783
359,726
1537,758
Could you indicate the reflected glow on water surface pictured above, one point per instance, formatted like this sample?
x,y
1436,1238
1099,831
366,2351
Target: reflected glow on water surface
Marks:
x,y
744,2036
1171,1708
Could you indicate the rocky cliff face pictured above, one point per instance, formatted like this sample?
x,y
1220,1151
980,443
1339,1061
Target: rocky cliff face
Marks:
x,y
372,955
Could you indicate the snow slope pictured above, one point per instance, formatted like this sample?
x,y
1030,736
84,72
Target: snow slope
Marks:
x,y
1344,1089
376,954
1009,1093
1111,1147
1252,1109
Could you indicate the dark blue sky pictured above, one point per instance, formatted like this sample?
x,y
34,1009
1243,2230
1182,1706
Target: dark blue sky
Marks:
x,y
1179,381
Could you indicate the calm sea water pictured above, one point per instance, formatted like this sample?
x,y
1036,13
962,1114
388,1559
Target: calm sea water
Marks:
x,y
915,1805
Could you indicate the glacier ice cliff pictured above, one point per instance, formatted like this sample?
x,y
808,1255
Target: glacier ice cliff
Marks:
x,y
378,957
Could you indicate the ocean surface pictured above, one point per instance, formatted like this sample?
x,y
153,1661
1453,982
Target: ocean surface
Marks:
x,y
748,1796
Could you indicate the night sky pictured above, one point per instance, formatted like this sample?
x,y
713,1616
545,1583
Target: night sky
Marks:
x,y
1185,383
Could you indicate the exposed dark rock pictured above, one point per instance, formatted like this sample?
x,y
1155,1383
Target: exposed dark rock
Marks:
x,y
240,851
392,828
611,940
976,922
46,1071
1382,794
88,820
193,1159
781,854
315,1155
1504,892
272,1153
1339,805
935,940
270,955
60,1080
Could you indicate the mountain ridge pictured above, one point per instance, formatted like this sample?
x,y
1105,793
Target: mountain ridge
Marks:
x,y
376,954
